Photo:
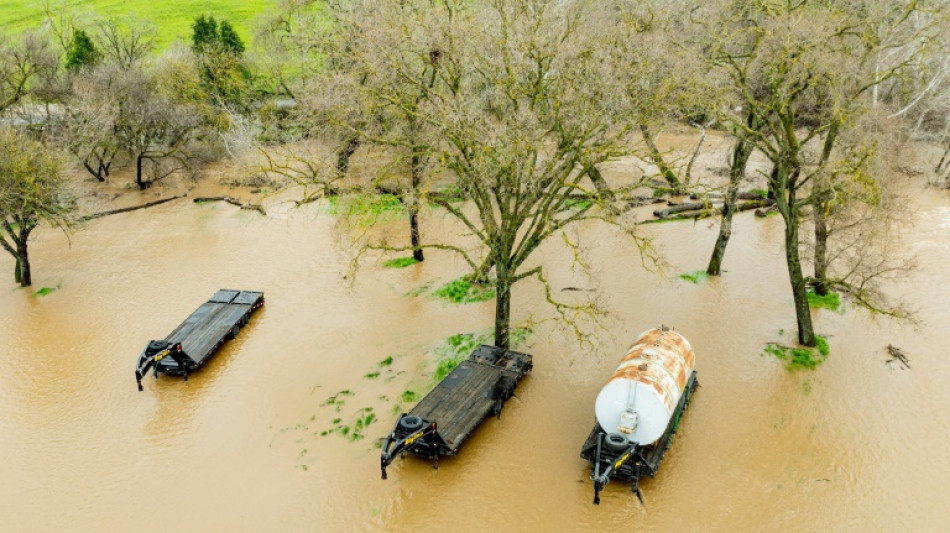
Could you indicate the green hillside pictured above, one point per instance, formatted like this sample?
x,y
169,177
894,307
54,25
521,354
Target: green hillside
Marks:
x,y
172,18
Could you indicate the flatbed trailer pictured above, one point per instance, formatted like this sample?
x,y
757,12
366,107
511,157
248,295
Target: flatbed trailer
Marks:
x,y
193,342
439,424
613,457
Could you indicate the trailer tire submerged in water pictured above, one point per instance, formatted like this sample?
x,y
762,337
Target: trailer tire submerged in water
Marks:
x,y
193,342
639,409
477,388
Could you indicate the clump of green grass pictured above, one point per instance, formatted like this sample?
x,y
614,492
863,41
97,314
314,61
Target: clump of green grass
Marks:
x,y
400,262
337,400
362,419
696,277
578,203
46,290
801,358
764,193
371,375
368,209
408,396
831,301
463,291
385,362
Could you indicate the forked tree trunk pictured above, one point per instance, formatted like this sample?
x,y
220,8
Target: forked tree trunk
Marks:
x,y
657,157
785,202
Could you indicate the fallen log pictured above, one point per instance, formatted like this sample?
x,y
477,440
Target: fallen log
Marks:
x,y
771,208
679,208
697,214
127,209
745,195
232,201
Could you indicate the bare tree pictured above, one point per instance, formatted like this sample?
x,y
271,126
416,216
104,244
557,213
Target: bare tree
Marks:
x,y
125,42
22,66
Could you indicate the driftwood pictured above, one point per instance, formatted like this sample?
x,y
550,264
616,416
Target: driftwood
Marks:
x,y
771,208
127,209
713,211
897,355
742,195
680,208
232,201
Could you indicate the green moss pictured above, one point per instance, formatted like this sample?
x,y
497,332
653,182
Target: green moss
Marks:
x,y
830,301
696,277
400,262
462,290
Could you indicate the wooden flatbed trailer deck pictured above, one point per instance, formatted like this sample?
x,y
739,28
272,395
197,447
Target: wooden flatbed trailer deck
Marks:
x,y
619,459
194,341
439,424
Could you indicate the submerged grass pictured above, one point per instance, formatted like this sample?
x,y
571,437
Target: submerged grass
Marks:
x,y
400,262
463,291
696,277
368,209
831,301
801,358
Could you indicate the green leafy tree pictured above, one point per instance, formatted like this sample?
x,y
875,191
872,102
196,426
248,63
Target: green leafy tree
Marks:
x,y
229,39
204,33
82,51
32,189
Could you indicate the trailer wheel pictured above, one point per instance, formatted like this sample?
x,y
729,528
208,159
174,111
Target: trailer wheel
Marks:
x,y
616,441
410,422
234,331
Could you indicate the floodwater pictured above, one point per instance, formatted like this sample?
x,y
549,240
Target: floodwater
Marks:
x,y
856,445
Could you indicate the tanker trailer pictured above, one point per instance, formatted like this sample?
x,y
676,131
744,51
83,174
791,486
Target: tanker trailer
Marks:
x,y
639,409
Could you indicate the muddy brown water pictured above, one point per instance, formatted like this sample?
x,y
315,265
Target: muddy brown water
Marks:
x,y
856,445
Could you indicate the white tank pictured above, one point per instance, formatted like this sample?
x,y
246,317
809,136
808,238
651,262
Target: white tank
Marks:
x,y
643,392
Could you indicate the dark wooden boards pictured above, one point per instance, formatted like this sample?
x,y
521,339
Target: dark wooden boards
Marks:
x,y
477,388
463,399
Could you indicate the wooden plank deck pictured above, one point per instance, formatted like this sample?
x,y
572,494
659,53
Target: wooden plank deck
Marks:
x,y
211,323
461,401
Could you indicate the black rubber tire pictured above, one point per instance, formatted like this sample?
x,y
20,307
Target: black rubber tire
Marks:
x,y
410,422
156,345
235,330
616,441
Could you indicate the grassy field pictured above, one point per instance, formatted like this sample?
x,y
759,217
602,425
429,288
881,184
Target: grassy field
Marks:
x,y
172,18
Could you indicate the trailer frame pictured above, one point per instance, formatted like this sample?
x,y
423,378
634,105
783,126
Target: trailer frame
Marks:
x,y
630,462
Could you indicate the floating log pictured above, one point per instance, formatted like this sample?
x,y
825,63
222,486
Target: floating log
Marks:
x,y
679,208
742,195
127,209
714,211
232,201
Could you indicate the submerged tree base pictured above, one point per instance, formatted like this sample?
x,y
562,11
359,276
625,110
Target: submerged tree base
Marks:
x,y
801,358
400,262
831,301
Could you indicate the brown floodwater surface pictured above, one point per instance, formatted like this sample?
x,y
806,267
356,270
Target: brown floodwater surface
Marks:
x,y
856,445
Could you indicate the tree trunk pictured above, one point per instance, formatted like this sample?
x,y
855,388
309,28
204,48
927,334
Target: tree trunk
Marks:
x,y
502,308
416,172
138,172
806,331
24,277
345,153
16,271
822,208
661,165
740,158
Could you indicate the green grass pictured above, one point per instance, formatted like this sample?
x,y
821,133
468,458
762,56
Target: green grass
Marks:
x,y
385,362
463,291
831,301
172,18
400,262
764,193
46,290
801,358
696,277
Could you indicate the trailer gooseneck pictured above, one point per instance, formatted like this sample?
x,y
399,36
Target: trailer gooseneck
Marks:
x,y
200,335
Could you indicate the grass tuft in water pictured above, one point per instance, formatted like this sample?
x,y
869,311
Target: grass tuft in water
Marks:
x,y
831,301
400,262
696,277
801,358
463,291
46,290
